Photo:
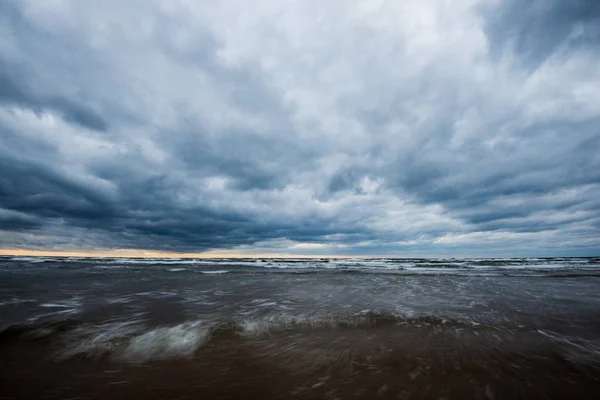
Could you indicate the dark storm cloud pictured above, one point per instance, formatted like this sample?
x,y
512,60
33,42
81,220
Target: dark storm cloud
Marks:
x,y
193,127
13,221
15,88
12,94
35,189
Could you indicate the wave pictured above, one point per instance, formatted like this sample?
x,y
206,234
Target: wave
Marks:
x,y
32,260
136,342
271,324
216,272
398,266
129,341
133,341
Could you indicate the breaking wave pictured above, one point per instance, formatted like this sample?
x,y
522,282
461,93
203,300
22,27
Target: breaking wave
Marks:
x,y
134,341
123,341
137,342
131,342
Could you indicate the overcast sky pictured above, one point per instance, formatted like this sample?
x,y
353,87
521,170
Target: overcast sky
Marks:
x,y
425,127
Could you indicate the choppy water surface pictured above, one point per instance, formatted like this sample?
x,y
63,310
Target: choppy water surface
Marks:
x,y
281,328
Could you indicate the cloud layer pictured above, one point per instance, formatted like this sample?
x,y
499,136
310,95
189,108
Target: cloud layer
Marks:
x,y
415,127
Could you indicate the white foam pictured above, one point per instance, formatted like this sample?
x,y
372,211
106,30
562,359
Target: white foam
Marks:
x,y
262,326
111,266
215,272
15,301
129,342
67,303
98,340
119,300
159,294
253,327
32,260
166,342
54,305
62,312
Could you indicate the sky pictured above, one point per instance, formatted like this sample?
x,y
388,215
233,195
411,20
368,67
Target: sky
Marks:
x,y
313,127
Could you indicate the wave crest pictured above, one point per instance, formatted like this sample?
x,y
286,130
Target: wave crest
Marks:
x,y
133,341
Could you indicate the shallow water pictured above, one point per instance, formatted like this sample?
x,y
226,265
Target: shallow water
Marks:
x,y
351,328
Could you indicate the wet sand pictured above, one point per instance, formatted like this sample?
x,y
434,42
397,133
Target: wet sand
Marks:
x,y
396,361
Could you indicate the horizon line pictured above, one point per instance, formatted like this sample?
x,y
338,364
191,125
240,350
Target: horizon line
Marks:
x,y
136,253
127,253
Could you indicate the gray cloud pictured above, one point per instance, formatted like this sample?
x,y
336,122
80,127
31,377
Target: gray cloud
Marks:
x,y
11,94
540,29
423,128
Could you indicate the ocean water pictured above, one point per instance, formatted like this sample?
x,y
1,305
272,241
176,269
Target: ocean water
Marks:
x,y
299,328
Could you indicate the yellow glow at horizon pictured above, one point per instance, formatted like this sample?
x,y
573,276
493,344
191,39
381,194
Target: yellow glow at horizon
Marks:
x,y
155,254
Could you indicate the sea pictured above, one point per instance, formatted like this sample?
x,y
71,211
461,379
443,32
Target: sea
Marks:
x,y
376,328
